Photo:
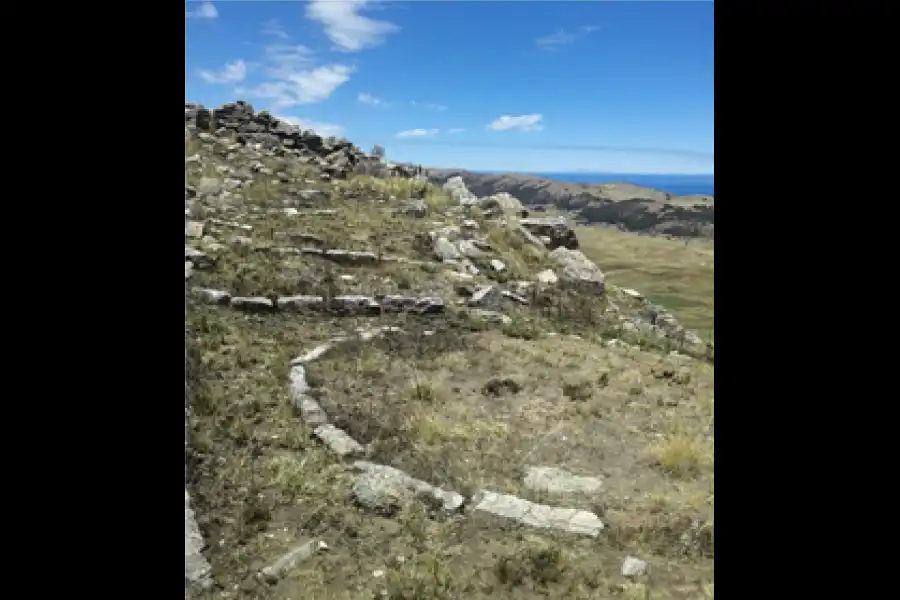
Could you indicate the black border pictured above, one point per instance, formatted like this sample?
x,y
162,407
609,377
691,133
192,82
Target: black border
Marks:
x,y
111,375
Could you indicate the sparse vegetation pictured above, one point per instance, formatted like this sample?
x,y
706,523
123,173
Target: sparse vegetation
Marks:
x,y
454,399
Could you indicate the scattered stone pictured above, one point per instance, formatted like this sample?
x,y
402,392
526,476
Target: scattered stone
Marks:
x,y
299,304
552,480
289,561
540,516
193,229
579,271
200,260
385,489
196,568
338,441
212,296
252,304
633,567
554,229
456,188
310,411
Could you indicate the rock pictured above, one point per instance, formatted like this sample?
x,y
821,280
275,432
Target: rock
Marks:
x,y
199,259
552,480
445,250
633,567
547,277
196,568
457,190
385,489
253,304
290,560
301,304
579,271
338,441
336,157
540,516
347,257
212,296
309,409
502,202
193,229
555,229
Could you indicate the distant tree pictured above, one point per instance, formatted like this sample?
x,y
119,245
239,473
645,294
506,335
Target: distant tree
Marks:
x,y
378,151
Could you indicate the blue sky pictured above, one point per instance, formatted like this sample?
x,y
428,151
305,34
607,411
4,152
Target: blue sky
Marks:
x,y
551,86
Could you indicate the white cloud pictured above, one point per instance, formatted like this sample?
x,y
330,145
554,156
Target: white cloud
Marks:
x,y
275,29
344,26
232,72
521,122
323,129
369,99
294,78
418,133
303,87
206,10
563,37
455,130
428,105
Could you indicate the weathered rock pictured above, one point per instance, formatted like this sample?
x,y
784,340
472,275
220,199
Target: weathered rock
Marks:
x,y
212,296
383,488
196,567
338,441
309,409
555,229
459,192
252,304
540,516
290,560
579,271
552,480
200,260
633,567
336,157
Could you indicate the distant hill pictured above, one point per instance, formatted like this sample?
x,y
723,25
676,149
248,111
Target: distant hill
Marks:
x,y
630,207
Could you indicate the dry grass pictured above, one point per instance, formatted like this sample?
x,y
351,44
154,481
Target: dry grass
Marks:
x,y
455,404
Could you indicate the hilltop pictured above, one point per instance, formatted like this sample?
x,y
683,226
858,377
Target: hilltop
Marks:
x,y
630,207
399,388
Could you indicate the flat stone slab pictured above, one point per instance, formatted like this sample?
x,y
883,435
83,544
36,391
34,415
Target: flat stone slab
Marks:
x,y
309,409
380,487
196,568
338,441
540,516
552,480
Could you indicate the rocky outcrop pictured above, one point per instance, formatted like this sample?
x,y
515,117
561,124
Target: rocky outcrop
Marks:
x,y
335,156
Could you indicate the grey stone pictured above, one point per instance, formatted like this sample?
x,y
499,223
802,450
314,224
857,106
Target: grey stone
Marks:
x,y
552,480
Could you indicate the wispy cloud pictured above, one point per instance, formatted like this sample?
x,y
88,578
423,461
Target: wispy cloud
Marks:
x,y
530,122
275,29
428,105
206,10
418,133
455,130
346,27
231,72
294,78
364,98
563,37
323,129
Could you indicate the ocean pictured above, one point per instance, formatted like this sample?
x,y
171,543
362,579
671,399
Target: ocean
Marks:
x,y
679,185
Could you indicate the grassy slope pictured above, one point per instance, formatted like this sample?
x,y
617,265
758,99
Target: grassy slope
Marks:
x,y
670,272
465,408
